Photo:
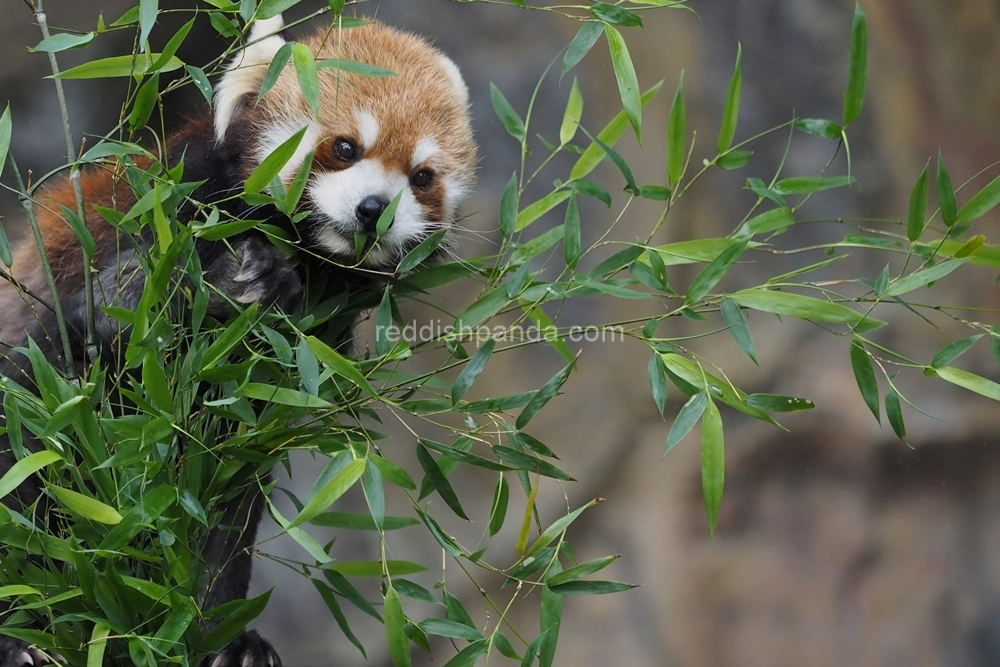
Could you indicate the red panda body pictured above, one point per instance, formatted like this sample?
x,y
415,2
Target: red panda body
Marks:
x,y
372,139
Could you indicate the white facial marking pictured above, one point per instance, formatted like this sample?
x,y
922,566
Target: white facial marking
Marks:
x,y
457,83
337,195
279,133
368,128
425,149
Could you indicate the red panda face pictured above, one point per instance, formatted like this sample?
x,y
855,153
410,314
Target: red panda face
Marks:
x,y
374,137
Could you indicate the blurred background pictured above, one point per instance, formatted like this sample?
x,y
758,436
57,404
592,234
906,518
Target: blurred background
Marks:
x,y
837,544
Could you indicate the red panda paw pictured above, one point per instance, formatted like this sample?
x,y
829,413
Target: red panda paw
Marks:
x,y
249,649
17,653
260,273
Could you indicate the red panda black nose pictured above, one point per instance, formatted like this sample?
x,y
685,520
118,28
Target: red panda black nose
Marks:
x,y
369,211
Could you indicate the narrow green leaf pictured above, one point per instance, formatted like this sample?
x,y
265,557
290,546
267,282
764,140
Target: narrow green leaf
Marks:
x,y
283,396
946,193
508,207
628,84
734,160
686,419
731,111
714,272
386,218
737,323
85,506
445,628
147,17
571,232
374,568
819,127
355,67
981,203
713,462
616,15
864,374
584,587
275,68
63,41
970,247
481,310
333,490
882,283
498,510
98,644
922,277
399,645
658,381
116,66
542,396
439,481
803,307
339,364
350,521
775,220
469,655
374,494
505,112
857,76
676,136
894,411
557,528
305,70
613,131
572,115
271,166
952,351
420,252
918,207
581,44
810,184
779,403
25,468
581,570
472,370
529,463
630,185
970,381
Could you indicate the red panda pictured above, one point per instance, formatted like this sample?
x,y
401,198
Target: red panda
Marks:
x,y
372,138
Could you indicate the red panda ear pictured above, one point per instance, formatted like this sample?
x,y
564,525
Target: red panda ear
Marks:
x,y
455,76
246,71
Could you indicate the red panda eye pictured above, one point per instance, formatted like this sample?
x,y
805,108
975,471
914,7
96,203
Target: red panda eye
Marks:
x,y
345,150
422,179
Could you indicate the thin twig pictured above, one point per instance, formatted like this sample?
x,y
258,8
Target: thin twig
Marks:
x,y
74,178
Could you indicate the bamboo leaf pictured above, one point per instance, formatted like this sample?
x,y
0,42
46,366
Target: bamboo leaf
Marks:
x,y
472,370
857,76
676,136
686,419
865,377
271,166
628,84
85,506
918,207
439,481
395,622
714,272
970,381
981,203
803,307
24,469
542,396
572,115
581,44
330,492
952,351
737,323
713,462
946,193
894,412
505,112
731,111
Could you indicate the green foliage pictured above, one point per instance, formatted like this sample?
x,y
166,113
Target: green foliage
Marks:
x,y
140,459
